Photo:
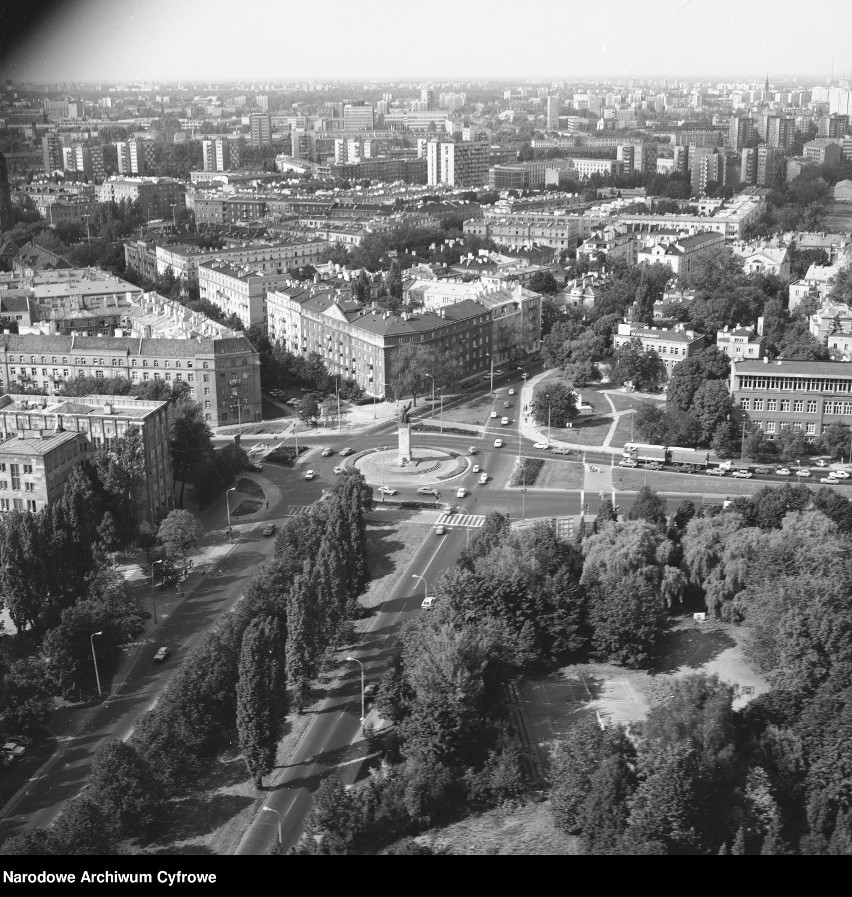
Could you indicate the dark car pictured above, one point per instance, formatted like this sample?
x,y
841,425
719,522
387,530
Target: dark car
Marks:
x,y
269,530
762,471
684,468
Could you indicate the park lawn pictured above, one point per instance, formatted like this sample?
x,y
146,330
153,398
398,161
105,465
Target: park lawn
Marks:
x,y
633,479
591,431
838,218
624,401
473,411
560,475
623,431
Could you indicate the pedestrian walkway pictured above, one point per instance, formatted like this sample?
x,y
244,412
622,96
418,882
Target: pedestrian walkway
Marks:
x,y
469,520
293,510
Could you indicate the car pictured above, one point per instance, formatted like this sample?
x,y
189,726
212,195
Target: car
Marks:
x,y
742,474
821,462
476,468
829,480
472,450
483,478
339,469
803,472
294,402
461,492
498,443
782,471
762,471
428,602
269,530
511,392
499,373
161,655
257,468
370,690
346,451
716,471
327,452
840,474
427,490
684,468
653,465
493,414
628,462
309,474
504,421
387,490
542,445
440,530
13,749
507,404
561,451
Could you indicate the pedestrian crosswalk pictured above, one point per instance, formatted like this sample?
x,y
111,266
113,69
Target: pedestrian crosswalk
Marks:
x,y
293,510
471,520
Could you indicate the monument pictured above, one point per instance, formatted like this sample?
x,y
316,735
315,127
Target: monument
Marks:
x,y
404,429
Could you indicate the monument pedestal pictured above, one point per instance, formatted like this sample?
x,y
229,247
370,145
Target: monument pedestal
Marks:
x,y
405,444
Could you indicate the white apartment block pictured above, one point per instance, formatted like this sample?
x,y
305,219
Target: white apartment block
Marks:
x,y
238,291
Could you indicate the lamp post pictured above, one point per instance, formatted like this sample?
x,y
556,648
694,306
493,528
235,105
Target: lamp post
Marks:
x,y
742,443
547,396
432,411
228,506
355,660
88,232
270,810
492,370
425,584
95,659
441,397
153,590
337,392
235,392
174,215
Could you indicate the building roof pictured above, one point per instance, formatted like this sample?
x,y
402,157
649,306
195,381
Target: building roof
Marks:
x,y
795,367
694,240
36,445
35,343
113,405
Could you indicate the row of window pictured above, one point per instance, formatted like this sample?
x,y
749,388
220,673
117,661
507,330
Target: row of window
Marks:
x,y
16,485
797,384
17,504
771,426
797,406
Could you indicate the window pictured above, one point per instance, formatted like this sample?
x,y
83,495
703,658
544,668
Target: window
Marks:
x,y
798,405
810,429
15,472
206,378
28,468
31,505
4,504
772,404
18,504
770,426
745,404
146,376
758,404
156,364
207,404
29,487
190,377
205,365
812,406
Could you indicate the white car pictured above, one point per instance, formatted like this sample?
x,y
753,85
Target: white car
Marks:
x,y
461,492
476,468
309,474
339,469
628,462
742,474
840,474
493,414
829,481
428,602
161,655
498,443
542,445
511,392
803,472
504,421
386,490
427,490
782,471
483,478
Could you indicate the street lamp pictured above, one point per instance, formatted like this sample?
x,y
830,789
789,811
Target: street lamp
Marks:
x,y
489,355
174,215
95,658
425,584
355,660
432,411
153,591
441,397
547,396
228,506
88,232
270,810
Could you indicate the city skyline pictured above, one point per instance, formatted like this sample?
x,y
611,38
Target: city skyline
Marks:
x,y
91,41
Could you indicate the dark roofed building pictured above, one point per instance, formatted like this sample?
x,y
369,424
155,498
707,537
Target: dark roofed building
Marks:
x,y
31,258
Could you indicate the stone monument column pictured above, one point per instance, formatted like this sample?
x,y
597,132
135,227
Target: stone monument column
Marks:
x,y
404,431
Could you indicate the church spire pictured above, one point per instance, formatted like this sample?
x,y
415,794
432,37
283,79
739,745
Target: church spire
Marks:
x,y
766,86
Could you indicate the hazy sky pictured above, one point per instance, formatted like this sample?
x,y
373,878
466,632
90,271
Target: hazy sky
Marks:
x,y
133,40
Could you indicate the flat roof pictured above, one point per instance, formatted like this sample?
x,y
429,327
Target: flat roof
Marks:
x,y
35,445
794,367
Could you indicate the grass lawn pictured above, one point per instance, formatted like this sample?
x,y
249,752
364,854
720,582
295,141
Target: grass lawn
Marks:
x,y
623,400
632,480
591,431
560,475
838,217
474,411
623,431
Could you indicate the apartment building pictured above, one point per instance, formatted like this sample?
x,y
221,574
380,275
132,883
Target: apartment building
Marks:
x,y
672,344
134,156
260,124
457,164
823,151
51,149
213,367
158,197
358,118
682,255
742,342
269,257
220,154
49,436
791,395
237,290
218,209
831,324
730,219
34,468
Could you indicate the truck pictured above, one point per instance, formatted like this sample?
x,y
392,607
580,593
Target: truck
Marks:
x,y
694,457
638,451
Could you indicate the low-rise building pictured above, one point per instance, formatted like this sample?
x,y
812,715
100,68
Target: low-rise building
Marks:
x,y
672,344
609,244
70,430
792,395
816,283
768,260
682,255
831,324
742,342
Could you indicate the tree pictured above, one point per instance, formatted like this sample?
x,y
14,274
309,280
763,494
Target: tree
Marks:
x,y
632,364
261,695
125,788
648,506
712,405
543,282
189,440
554,403
180,533
651,423
26,702
836,440
410,364
121,470
84,829
309,410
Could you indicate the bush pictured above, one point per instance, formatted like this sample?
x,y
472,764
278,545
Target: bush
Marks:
x,y
285,454
460,431
527,473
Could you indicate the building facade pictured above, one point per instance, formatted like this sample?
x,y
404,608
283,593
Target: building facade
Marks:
x,y
672,344
158,197
238,291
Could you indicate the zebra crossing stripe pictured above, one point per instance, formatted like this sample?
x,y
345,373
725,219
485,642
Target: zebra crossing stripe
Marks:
x,y
293,510
469,520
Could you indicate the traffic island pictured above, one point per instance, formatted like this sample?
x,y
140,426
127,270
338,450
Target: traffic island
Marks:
x,y
428,466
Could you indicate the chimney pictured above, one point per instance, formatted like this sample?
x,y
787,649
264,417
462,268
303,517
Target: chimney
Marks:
x,y
765,359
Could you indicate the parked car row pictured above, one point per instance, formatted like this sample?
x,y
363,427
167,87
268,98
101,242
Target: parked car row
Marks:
x,y
745,473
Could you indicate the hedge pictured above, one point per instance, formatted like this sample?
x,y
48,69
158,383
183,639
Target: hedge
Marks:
x,y
527,473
